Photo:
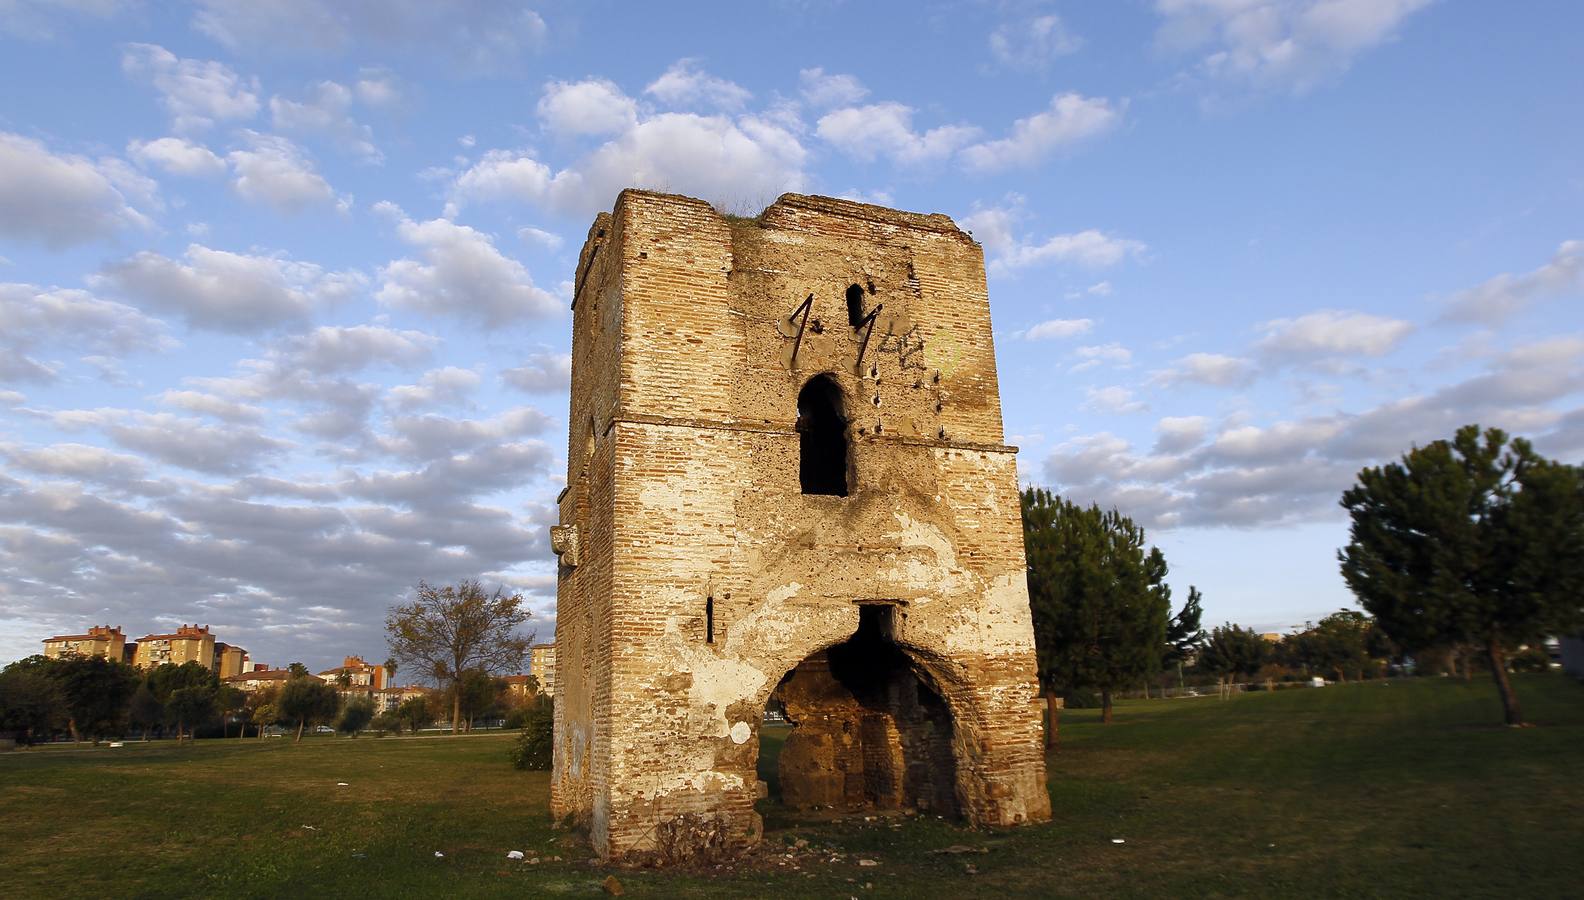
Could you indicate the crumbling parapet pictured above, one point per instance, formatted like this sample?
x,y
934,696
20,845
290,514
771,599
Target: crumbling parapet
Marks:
x,y
719,545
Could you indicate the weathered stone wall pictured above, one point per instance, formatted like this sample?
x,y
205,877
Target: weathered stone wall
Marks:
x,y
685,496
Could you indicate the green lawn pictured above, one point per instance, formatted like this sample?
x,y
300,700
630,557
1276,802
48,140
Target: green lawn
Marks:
x,y
1360,790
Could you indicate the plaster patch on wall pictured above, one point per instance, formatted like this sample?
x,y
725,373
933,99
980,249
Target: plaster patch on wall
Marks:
x,y
741,732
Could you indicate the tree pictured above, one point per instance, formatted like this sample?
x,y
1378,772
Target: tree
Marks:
x,y
190,706
307,701
32,706
355,716
262,709
1231,651
231,701
1339,644
390,671
1469,541
414,713
535,747
97,691
449,631
480,694
1099,601
1183,633
145,710
298,670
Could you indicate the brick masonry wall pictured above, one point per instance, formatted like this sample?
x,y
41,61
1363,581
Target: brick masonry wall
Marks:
x,y
690,495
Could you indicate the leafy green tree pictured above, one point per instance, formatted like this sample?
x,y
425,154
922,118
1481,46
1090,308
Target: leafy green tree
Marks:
x,y
298,670
232,703
261,708
415,713
1339,644
535,746
1232,651
355,716
164,679
1099,600
448,631
145,711
98,692
307,701
32,705
189,707
481,696
1473,541
387,721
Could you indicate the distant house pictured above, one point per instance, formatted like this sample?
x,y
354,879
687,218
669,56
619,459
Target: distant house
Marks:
x,y
229,660
258,679
101,640
387,699
518,686
359,674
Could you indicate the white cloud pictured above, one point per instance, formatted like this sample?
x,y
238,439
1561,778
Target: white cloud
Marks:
x,y
61,200
1177,434
1294,470
75,321
1215,369
996,228
731,162
275,172
461,273
1280,44
538,236
211,405
1093,356
1031,45
544,372
1071,119
327,111
823,91
225,291
1053,329
439,387
1330,333
178,156
379,89
196,93
886,130
334,348
687,85
591,107
1113,399
1505,295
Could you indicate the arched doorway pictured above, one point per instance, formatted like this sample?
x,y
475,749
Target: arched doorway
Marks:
x,y
822,438
870,731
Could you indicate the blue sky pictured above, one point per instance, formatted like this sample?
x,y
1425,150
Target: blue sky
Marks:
x,y
283,286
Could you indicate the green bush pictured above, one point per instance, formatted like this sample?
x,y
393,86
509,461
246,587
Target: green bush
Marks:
x,y
535,745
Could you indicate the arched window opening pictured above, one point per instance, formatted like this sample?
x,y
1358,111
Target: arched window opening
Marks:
x,y
855,310
822,438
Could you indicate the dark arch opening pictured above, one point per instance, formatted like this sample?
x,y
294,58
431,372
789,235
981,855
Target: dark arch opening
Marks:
x,y
855,310
822,438
869,730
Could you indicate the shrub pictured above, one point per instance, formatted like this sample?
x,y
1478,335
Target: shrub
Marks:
x,y
1081,698
355,716
535,746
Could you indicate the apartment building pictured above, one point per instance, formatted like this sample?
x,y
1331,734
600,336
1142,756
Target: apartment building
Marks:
x,y
258,679
189,643
542,665
101,640
229,660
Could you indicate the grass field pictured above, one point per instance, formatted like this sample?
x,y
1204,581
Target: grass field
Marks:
x,y
1402,789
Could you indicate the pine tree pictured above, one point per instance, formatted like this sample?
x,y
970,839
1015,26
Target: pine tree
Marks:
x,y
1469,541
1098,599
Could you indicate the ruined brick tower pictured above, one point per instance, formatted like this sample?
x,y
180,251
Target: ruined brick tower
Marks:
x,y
786,484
